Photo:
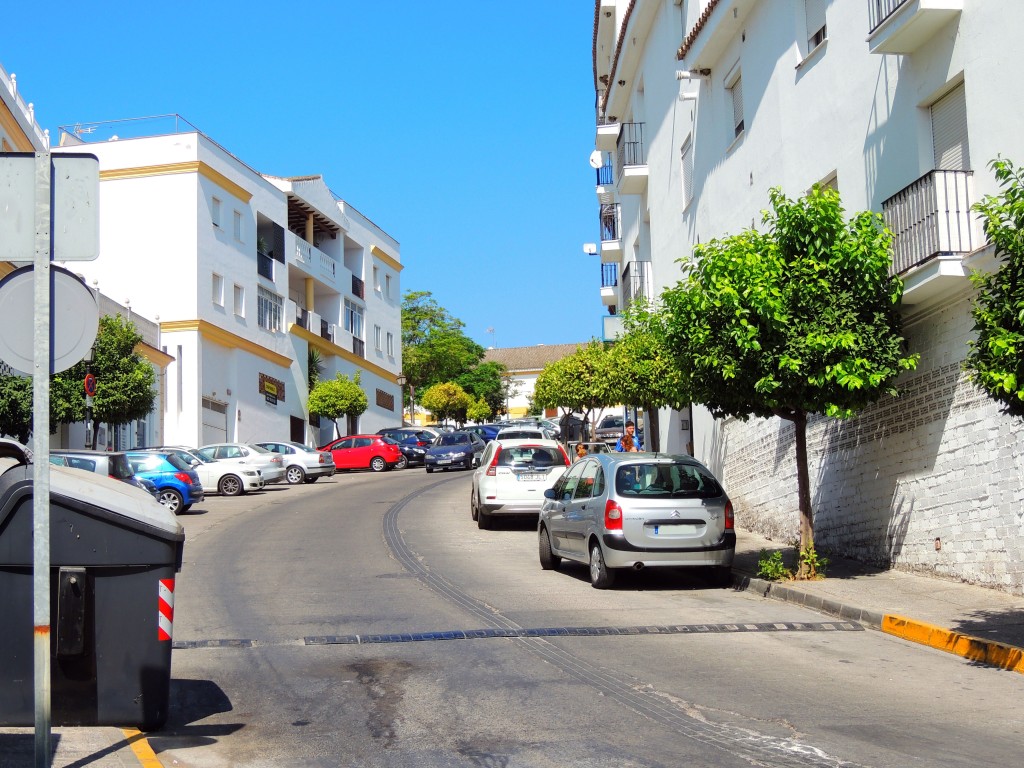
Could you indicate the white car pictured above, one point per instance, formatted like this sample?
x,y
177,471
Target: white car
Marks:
x,y
524,432
302,464
247,455
218,476
512,477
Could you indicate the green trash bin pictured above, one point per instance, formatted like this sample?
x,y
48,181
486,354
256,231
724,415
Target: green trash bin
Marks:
x,y
114,553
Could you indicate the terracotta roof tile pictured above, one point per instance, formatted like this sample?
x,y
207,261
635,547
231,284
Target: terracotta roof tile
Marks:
x,y
518,359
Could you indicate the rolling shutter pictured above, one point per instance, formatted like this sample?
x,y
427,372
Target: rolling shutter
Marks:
x,y
949,132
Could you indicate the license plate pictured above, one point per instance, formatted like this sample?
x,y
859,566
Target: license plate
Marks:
x,y
532,478
674,530
444,461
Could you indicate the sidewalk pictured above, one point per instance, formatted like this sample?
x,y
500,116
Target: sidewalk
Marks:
x,y
98,747
978,623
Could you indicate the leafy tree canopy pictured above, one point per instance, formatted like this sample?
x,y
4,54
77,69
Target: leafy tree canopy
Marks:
x,y
996,360
447,401
434,347
338,397
581,382
487,381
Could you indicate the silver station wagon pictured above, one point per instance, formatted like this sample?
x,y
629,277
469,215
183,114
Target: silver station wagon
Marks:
x,y
637,510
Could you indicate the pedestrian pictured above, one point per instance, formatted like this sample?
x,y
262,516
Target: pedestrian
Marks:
x,y
581,451
629,442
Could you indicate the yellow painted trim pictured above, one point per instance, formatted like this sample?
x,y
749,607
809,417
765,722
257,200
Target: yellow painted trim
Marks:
x,y
391,261
225,339
193,166
6,268
154,355
976,649
11,127
330,348
140,746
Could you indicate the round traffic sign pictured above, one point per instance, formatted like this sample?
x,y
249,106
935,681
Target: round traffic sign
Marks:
x,y
90,384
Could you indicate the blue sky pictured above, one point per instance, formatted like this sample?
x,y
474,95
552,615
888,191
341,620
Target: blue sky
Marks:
x,y
463,129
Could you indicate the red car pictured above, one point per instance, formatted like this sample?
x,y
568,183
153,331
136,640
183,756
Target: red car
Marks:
x,y
374,452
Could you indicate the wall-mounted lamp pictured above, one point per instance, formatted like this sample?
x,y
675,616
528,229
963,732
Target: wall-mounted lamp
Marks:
x,y
229,393
690,96
692,74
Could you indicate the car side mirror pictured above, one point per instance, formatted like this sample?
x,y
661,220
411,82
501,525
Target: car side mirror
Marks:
x,y
549,493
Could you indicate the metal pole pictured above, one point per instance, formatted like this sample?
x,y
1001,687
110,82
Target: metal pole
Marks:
x,y
41,367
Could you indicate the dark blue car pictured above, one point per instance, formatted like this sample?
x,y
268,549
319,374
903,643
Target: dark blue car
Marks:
x,y
487,432
177,484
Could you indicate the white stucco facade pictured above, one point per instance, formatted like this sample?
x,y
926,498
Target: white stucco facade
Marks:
x,y
244,274
905,109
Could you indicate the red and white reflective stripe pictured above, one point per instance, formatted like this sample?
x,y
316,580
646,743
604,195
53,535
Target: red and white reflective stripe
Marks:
x,y
165,612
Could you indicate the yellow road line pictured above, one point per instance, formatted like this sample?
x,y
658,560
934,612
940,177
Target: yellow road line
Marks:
x,y
974,648
140,746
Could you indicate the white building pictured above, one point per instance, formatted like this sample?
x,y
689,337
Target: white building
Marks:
x,y
702,106
245,274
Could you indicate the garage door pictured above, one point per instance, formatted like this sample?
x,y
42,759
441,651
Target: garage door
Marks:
x,y
215,422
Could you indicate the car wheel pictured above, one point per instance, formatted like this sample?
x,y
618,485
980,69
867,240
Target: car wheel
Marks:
x,y
311,479
403,462
377,464
469,463
229,485
483,519
472,505
601,577
429,470
295,475
548,560
171,499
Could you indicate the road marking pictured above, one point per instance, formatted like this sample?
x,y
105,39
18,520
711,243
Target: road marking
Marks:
x,y
140,746
976,649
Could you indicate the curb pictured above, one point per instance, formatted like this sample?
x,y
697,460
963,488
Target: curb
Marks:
x,y
976,649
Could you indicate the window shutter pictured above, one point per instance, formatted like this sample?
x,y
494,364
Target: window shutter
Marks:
x,y
814,12
687,171
737,105
949,132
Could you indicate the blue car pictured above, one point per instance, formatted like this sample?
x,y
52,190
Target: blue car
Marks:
x,y
486,432
177,484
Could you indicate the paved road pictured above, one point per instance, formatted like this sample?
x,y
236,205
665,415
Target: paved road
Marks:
x,y
365,621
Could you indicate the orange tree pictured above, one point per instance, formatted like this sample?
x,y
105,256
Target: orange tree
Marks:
x,y
800,319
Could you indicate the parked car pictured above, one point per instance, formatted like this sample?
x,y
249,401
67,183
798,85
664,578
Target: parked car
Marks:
x,y
524,432
487,432
225,478
302,464
512,478
177,483
610,429
398,434
627,510
249,456
454,449
376,452
412,441
113,464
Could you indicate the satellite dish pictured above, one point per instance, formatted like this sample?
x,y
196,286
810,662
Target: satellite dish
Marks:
x,y
596,161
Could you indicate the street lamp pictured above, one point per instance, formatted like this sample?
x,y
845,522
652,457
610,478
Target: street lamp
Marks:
x,y
401,381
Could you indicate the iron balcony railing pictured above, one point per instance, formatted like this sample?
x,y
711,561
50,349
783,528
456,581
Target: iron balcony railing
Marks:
x,y
609,222
630,147
325,330
606,173
609,275
264,265
635,282
358,288
931,216
880,10
302,317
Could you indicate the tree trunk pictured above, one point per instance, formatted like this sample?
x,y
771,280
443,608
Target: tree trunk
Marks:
x,y
652,430
803,483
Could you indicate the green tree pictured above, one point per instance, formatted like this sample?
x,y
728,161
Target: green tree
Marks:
x,y
434,348
487,381
581,382
996,360
798,320
16,407
479,410
338,397
447,401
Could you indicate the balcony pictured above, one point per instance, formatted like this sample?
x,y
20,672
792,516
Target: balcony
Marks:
x,y
611,239
358,287
609,283
315,261
631,159
903,26
264,266
327,330
934,230
635,282
358,347
607,135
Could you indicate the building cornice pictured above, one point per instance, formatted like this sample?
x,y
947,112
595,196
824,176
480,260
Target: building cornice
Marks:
x,y
152,354
225,338
330,348
193,166
391,261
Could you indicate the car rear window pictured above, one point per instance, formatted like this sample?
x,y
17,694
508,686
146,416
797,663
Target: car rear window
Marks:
x,y
520,434
119,466
666,480
535,456
611,422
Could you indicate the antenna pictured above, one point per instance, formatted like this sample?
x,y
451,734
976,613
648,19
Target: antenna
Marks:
x,y
596,159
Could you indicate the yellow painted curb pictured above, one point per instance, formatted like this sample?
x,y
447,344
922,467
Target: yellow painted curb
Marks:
x,y
973,648
140,746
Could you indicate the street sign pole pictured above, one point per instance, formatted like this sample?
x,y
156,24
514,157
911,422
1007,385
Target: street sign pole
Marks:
x,y
41,466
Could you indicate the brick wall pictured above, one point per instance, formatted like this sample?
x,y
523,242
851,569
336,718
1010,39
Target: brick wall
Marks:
x,y
939,462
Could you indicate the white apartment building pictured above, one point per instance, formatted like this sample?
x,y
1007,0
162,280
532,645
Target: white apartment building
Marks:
x,y
245,274
702,106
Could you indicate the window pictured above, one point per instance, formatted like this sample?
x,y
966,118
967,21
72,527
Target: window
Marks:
x,y
735,91
237,224
391,344
376,279
686,170
387,286
215,211
218,290
376,337
814,12
239,300
354,319
269,309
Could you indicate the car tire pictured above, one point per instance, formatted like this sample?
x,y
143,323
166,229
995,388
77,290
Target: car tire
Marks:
x,y
601,576
184,508
429,470
548,559
171,499
483,519
377,464
469,463
229,485
295,475
474,511
403,462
